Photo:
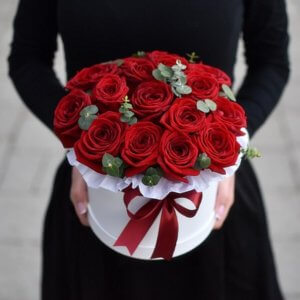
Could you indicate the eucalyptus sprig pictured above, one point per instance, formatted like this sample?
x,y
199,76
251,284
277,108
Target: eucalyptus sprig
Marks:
x,y
87,116
113,166
118,62
206,105
127,115
152,176
250,152
202,162
227,92
192,57
139,54
174,76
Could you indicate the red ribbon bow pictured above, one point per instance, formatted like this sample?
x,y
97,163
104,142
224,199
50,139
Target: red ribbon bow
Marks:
x,y
142,220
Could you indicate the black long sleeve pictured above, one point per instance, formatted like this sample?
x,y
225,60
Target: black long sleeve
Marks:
x,y
96,32
266,49
31,58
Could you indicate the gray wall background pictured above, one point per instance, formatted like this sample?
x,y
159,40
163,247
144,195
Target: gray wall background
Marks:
x,y
29,155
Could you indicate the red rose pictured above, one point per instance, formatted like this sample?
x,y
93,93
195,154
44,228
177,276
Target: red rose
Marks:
x,y
109,92
88,77
105,135
177,156
66,116
151,99
141,147
219,144
165,58
220,76
230,114
204,85
137,69
184,116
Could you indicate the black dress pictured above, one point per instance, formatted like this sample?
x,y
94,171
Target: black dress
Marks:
x,y
235,262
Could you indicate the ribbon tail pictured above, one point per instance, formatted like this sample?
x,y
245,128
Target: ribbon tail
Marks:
x,y
167,234
135,230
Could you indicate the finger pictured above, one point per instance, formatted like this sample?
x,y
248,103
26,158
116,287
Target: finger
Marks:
x,y
79,197
224,201
221,215
81,211
79,200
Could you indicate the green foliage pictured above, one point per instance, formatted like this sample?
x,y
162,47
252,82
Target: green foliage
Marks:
x,y
211,104
202,162
139,54
152,176
206,105
228,92
113,166
250,152
127,116
87,116
118,62
174,76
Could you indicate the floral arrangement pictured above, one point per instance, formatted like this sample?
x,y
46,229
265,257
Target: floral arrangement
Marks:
x,y
155,113
153,124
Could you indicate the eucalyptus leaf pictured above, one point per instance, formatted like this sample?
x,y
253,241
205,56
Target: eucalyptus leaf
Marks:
x,y
155,179
163,67
118,162
157,75
124,119
122,109
139,54
147,180
182,79
119,62
175,91
85,122
184,89
151,180
113,166
228,92
203,162
159,171
107,160
132,121
128,114
89,110
113,170
121,170
151,171
165,70
176,68
202,106
251,152
211,104
176,83
127,105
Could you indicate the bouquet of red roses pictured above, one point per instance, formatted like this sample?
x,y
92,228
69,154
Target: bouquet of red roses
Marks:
x,y
154,125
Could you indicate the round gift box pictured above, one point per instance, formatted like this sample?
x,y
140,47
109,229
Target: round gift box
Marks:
x,y
108,217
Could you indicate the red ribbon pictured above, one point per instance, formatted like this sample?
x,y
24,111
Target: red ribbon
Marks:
x,y
141,221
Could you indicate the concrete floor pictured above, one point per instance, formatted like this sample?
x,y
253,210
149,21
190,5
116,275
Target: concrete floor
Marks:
x,y
29,154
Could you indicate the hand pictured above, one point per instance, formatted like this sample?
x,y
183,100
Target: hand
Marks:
x,y
79,196
224,201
